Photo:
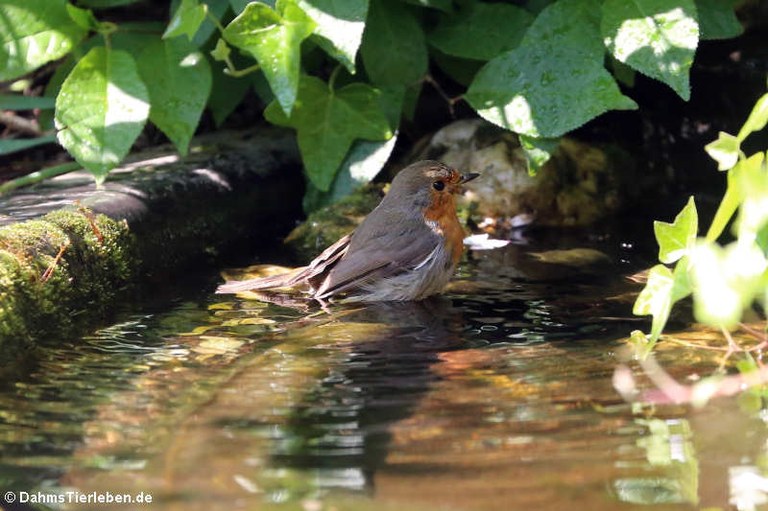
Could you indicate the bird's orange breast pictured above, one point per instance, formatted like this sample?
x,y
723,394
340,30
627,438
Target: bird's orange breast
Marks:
x,y
441,215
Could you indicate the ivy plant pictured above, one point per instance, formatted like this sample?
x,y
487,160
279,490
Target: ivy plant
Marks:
x,y
343,73
724,280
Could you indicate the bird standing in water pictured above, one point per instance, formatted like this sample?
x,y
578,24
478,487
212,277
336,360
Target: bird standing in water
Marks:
x,y
405,249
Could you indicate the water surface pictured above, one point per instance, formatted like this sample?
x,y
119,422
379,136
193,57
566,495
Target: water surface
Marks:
x,y
496,396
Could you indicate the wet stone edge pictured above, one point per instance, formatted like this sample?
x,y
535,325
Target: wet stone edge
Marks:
x,y
69,250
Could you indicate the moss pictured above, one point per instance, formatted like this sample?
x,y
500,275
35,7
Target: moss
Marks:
x,y
326,225
51,268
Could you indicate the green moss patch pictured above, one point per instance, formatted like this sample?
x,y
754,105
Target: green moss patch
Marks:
x,y
55,267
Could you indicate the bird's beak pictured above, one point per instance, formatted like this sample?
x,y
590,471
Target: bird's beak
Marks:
x,y
468,177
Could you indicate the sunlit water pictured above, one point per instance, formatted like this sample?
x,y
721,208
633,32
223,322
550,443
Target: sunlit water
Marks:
x,y
497,396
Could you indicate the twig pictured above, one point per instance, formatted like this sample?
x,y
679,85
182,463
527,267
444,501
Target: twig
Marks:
x,y
49,271
20,124
439,89
88,214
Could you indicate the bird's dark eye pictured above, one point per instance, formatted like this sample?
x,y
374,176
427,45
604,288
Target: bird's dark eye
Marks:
x,y
438,185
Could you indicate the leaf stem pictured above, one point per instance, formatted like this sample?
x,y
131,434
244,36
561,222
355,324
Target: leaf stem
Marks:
x,y
214,19
40,175
332,78
237,73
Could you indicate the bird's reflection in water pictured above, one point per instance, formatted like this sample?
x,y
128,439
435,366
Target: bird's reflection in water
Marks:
x,y
340,429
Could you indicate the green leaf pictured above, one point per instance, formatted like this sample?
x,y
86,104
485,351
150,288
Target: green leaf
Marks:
x,y
717,19
539,88
274,39
663,289
724,281
677,238
238,6
537,151
751,178
221,52
328,122
340,25
226,93
186,20
34,32
105,4
101,109
481,31
460,70
19,102
394,50
757,119
440,5
83,17
623,73
8,146
656,37
178,79
363,162
725,150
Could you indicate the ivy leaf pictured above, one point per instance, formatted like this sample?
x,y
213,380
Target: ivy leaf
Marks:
x,y
34,32
178,79
239,6
327,123
340,25
716,301
725,150
757,119
274,39
751,180
394,49
539,88
653,37
663,289
221,52
186,20
84,18
440,5
363,162
717,19
226,93
482,31
101,109
104,4
677,238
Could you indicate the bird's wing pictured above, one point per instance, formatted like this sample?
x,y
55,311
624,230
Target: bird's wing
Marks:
x,y
379,256
310,273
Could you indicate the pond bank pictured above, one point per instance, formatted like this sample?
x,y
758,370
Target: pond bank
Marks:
x,y
69,250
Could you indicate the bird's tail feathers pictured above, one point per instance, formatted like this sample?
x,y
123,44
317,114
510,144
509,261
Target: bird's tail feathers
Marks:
x,y
274,281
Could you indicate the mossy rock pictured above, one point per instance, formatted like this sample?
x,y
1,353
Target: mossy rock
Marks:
x,y
326,225
52,267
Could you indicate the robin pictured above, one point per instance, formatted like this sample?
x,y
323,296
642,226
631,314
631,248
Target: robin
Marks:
x,y
407,248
